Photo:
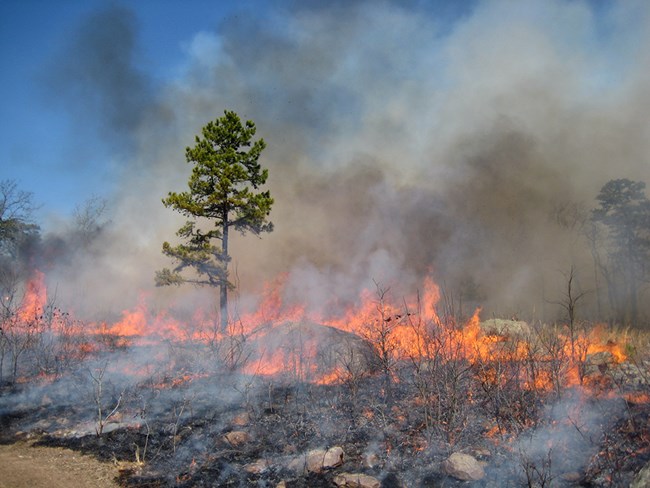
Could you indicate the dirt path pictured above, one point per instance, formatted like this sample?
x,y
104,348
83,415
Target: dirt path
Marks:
x,y
25,466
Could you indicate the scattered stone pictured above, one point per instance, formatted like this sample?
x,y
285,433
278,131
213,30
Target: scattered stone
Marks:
x,y
328,347
281,484
598,363
463,467
318,460
356,480
602,358
237,438
642,479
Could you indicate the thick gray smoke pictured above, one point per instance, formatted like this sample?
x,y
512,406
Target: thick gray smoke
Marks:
x,y
98,79
403,141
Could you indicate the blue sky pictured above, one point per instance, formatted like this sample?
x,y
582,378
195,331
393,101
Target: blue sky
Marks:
x,y
38,140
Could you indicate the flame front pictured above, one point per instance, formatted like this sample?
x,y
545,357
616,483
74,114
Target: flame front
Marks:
x,y
408,330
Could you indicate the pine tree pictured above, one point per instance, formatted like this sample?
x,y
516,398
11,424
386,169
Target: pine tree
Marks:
x,y
625,212
222,196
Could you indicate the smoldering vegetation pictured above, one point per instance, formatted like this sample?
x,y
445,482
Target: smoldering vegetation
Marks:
x,y
308,405
403,142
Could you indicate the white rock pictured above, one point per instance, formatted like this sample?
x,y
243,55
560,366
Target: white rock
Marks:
x,y
463,467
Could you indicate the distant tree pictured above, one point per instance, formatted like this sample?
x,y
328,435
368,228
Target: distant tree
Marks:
x,y
624,211
18,232
89,221
221,196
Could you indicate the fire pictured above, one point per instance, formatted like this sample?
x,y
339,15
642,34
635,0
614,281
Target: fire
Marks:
x,y
35,298
269,364
272,309
141,322
597,341
637,397
398,331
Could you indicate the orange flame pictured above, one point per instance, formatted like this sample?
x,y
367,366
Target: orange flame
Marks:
x,y
402,330
35,298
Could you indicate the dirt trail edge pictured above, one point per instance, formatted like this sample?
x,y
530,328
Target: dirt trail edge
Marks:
x,y
24,466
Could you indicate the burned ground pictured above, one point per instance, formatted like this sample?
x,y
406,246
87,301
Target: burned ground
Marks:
x,y
188,426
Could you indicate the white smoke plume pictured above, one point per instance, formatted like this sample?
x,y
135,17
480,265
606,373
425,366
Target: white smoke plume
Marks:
x,y
404,140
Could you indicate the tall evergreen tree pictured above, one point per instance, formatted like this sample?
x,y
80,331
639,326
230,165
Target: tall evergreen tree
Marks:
x,y
625,212
221,197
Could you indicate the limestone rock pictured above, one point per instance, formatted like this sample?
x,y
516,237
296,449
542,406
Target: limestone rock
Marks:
x,y
513,329
598,363
319,349
318,460
356,480
633,375
463,467
602,358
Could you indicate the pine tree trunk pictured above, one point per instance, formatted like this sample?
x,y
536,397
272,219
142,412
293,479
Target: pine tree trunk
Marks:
x,y
223,291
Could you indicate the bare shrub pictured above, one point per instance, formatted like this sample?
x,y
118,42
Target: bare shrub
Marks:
x,y
20,332
441,374
379,332
509,385
106,402
537,472
226,349
555,360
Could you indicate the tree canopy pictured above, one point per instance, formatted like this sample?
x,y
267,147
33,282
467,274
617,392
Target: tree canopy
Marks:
x,y
18,232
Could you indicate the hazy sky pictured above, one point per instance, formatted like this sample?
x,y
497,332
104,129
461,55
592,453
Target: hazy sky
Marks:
x,y
404,137
41,147
64,161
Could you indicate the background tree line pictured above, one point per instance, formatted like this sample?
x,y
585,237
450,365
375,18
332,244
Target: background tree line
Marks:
x,y
23,245
619,238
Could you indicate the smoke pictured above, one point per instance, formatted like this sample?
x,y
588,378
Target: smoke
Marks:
x,y
403,140
565,438
99,79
